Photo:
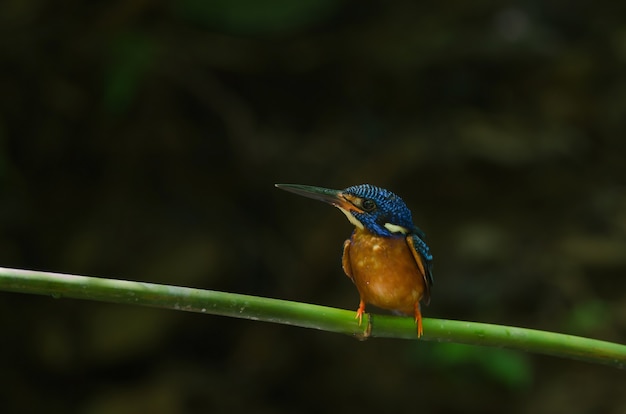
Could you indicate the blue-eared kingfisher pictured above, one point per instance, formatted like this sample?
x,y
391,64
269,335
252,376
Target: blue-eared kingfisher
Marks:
x,y
386,256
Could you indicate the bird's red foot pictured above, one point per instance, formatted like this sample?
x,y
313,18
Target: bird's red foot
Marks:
x,y
360,312
418,320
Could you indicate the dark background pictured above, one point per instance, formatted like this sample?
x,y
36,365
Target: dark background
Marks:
x,y
141,140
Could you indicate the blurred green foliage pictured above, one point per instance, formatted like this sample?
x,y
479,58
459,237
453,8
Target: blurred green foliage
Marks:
x,y
501,365
132,55
141,140
588,317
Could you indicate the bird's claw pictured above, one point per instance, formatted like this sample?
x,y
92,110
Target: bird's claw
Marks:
x,y
359,315
418,320
360,312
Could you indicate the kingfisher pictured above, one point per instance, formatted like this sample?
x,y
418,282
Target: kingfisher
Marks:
x,y
386,256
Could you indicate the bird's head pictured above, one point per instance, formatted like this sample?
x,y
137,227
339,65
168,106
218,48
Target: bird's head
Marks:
x,y
366,206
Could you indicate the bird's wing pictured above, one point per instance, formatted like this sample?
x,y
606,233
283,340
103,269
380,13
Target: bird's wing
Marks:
x,y
419,232
345,260
424,260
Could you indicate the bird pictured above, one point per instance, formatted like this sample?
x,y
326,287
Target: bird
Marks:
x,y
386,256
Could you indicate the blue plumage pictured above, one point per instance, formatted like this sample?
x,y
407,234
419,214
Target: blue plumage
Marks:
x,y
389,209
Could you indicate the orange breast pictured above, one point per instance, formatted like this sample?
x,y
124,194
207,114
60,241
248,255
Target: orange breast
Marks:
x,y
384,271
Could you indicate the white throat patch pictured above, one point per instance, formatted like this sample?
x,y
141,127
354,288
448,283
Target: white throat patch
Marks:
x,y
395,228
351,218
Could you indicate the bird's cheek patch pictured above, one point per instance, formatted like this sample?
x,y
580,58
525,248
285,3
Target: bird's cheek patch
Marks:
x,y
394,228
351,218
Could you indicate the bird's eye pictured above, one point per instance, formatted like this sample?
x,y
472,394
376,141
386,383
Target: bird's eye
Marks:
x,y
368,205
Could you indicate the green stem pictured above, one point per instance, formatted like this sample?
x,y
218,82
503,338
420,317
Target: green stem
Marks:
x,y
309,316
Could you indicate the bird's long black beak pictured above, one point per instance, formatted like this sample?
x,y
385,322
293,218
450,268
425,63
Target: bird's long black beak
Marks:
x,y
326,195
347,203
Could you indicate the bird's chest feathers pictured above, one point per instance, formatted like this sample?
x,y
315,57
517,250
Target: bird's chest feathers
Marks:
x,y
384,270
374,253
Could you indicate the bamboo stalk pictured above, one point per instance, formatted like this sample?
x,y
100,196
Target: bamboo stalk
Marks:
x,y
309,316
